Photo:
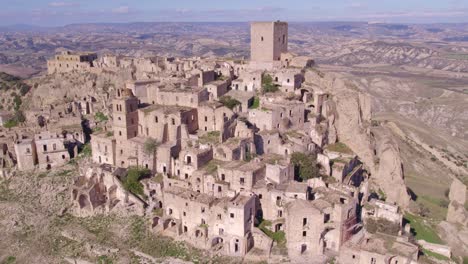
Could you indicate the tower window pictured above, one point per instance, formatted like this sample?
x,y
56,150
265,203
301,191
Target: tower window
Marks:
x,y
262,38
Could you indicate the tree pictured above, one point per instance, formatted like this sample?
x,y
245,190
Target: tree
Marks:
x,y
268,85
305,166
132,182
150,146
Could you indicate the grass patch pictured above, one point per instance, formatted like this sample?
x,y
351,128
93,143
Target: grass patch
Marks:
x,y
211,137
158,212
101,117
340,148
256,103
229,102
158,178
64,173
212,166
9,260
104,260
429,253
422,230
10,123
158,246
437,206
382,226
86,150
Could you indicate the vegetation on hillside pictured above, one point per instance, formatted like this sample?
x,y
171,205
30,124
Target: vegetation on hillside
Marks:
x,y
18,89
340,147
10,82
422,230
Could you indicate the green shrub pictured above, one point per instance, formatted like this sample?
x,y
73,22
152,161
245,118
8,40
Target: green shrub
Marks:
x,y
382,195
9,260
229,102
256,103
86,150
100,117
267,84
132,183
211,137
305,166
340,147
104,260
10,123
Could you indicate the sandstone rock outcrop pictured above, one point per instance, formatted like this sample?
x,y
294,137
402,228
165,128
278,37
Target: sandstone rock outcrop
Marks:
x,y
456,211
389,168
353,127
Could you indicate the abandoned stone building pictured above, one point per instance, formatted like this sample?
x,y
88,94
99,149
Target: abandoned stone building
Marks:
x,y
268,41
47,149
97,190
67,61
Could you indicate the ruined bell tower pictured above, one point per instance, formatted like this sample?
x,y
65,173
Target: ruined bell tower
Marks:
x,y
125,115
268,40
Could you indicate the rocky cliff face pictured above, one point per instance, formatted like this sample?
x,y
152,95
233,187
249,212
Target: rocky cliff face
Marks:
x,y
389,174
375,147
456,211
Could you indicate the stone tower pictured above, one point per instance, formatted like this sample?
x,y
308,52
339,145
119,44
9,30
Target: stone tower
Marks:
x,y
268,40
125,114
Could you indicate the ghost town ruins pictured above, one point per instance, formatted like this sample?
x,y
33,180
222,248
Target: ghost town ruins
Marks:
x,y
240,157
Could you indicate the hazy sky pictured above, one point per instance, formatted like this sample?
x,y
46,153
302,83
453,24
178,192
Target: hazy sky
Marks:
x,y
58,12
